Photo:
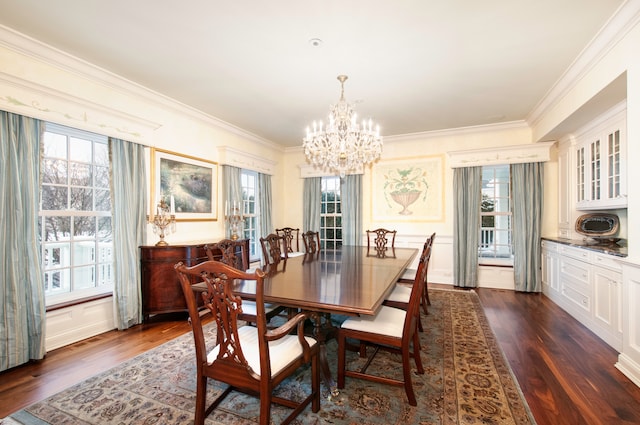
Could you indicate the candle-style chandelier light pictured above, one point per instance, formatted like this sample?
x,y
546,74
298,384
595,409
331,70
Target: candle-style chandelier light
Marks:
x,y
343,145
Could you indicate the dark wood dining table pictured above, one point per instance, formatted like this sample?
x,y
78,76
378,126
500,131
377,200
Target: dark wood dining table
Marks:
x,y
352,280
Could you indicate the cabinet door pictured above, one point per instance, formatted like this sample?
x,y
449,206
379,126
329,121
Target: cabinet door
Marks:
x,y
607,298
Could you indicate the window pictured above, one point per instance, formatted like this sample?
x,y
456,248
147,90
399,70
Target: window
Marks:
x,y
495,211
249,182
75,214
330,214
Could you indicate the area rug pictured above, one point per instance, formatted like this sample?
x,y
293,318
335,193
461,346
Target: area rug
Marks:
x,y
466,381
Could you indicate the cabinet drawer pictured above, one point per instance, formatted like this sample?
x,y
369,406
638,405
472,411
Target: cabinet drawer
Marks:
x,y
608,261
574,270
549,246
575,293
578,253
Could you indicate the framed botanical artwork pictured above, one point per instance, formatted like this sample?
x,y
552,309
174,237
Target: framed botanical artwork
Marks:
x,y
188,184
408,189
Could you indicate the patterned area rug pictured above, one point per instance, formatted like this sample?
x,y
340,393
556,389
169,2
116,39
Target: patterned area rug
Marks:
x,y
466,381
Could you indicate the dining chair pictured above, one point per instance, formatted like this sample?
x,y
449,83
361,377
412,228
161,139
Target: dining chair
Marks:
x,y
273,249
291,238
382,239
232,253
249,359
400,295
390,329
311,241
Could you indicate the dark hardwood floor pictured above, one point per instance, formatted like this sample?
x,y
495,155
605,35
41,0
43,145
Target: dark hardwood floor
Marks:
x,y
566,373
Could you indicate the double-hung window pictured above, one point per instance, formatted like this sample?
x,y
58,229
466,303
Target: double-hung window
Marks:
x,y
250,211
75,214
495,212
330,213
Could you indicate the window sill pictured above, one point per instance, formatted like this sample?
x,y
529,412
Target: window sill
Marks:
x,y
71,303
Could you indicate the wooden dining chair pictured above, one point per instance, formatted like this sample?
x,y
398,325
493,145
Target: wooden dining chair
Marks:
x,y
381,239
311,241
390,329
249,359
400,295
291,238
273,249
232,253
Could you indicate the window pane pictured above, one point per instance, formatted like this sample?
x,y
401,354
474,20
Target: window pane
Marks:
x,y
84,227
104,228
81,199
102,177
54,198
103,200
84,277
57,229
54,171
80,150
81,174
54,145
101,154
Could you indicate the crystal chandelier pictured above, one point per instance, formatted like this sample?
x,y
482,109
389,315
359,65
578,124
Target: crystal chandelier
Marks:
x,y
343,145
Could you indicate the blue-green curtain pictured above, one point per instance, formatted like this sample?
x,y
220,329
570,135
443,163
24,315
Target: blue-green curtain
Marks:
x,y
129,224
467,195
22,306
311,200
231,188
527,194
264,190
351,204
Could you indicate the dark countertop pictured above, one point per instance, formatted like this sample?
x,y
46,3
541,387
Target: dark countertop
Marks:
x,y
619,249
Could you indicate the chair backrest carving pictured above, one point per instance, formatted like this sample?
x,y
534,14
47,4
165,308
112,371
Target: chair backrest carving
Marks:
x,y
230,252
291,238
383,239
311,241
273,250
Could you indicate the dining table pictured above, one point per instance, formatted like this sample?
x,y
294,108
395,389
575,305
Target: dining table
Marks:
x,y
350,280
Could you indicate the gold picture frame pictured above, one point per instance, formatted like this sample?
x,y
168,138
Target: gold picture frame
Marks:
x,y
187,183
408,189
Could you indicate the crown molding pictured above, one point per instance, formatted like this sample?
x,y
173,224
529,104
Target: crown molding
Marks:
x,y
617,27
42,52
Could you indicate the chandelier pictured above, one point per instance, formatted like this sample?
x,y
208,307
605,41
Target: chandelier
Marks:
x,y
343,145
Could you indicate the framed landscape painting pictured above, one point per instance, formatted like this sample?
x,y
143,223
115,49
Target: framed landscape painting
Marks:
x,y
408,189
189,183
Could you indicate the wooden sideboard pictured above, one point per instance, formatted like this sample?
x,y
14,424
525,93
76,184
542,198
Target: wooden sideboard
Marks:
x,y
161,291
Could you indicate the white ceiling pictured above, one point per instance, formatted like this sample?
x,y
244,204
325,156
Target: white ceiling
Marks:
x,y
413,65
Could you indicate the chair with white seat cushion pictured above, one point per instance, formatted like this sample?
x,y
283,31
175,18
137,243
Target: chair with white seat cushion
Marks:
x,y
249,359
399,297
232,253
390,329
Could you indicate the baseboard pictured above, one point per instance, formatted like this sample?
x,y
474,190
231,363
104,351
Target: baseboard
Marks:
x,y
629,368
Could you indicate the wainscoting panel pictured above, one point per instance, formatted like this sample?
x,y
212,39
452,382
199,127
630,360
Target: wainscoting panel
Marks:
x,y
78,322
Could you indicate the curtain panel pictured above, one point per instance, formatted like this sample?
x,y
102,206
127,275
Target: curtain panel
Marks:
x,y
129,211
311,200
264,190
231,189
467,195
351,204
528,194
22,303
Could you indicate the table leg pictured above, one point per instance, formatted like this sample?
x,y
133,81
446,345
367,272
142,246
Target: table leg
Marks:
x,y
323,331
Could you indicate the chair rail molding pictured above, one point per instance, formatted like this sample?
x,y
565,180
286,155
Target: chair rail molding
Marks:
x,y
517,154
240,159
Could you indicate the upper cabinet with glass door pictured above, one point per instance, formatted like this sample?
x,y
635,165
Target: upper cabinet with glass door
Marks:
x,y
601,172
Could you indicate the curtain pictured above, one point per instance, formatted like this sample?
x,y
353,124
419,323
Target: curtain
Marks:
x,y
467,195
351,204
129,224
527,194
22,304
311,200
232,189
264,189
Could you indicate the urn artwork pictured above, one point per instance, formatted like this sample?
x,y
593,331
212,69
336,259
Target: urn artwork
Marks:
x,y
404,187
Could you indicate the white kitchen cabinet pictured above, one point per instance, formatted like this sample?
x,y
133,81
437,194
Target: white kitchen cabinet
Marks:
x,y
600,162
588,285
